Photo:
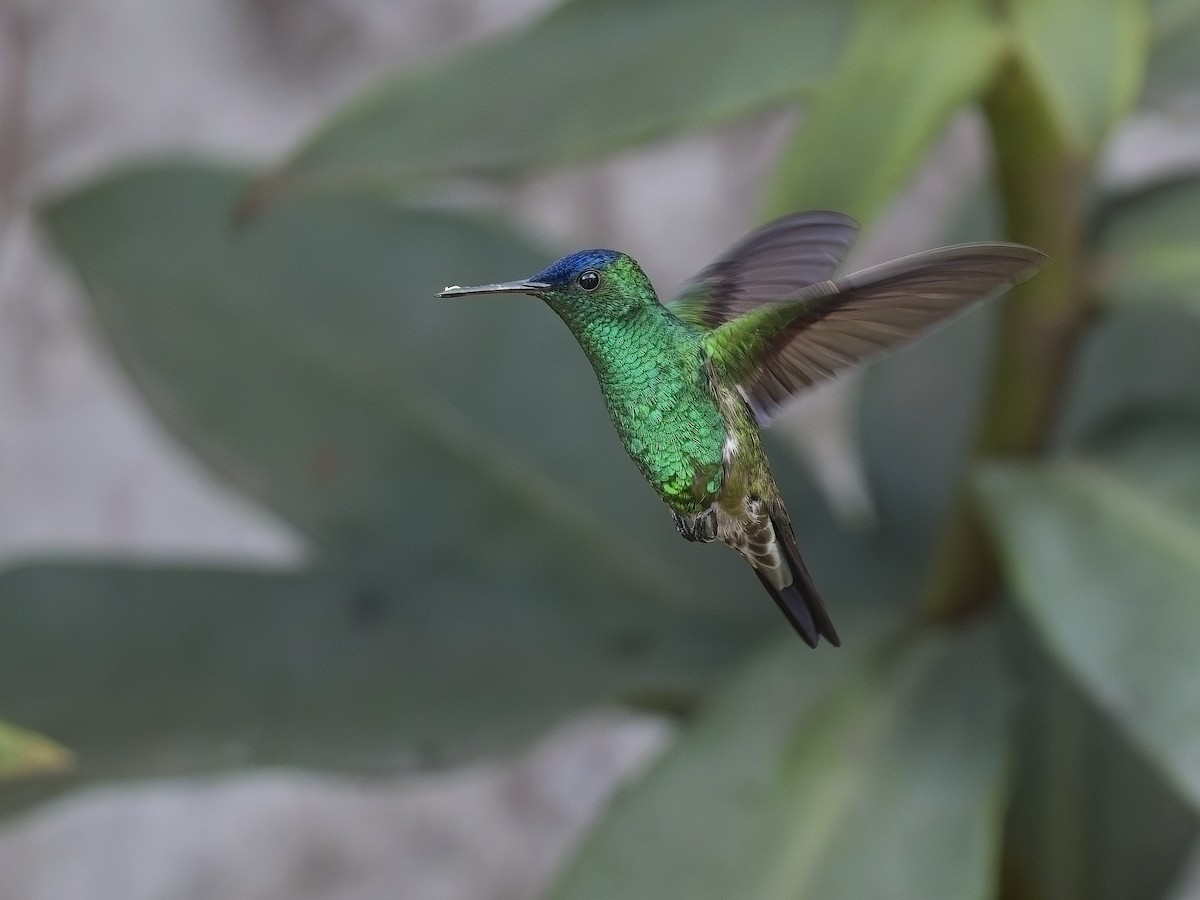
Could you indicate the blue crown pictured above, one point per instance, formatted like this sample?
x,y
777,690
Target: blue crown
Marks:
x,y
565,270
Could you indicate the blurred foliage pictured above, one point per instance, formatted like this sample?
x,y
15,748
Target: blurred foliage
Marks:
x,y
493,109
1105,556
1090,89
761,798
486,560
942,52
1149,242
23,754
212,668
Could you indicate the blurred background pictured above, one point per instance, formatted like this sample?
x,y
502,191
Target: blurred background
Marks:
x,y
314,587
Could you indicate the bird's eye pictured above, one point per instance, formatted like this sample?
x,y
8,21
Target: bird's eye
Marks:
x,y
589,280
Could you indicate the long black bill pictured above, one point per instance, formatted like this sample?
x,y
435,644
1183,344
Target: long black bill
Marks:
x,y
534,288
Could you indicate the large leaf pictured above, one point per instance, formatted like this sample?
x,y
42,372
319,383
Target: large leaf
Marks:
x,y
153,670
907,68
23,753
1144,826
1087,56
1148,244
1110,575
590,77
1090,818
878,772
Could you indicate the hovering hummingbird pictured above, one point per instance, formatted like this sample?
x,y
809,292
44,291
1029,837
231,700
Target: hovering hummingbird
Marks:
x,y
689,383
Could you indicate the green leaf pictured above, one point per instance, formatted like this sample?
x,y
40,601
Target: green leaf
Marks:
x,y
148,670
1148,245
23,754
878,771
1088,57
589,78
1090,818
908,66
1111,578
1144,828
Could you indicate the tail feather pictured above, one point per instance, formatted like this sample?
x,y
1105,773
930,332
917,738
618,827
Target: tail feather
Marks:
x,y
799,601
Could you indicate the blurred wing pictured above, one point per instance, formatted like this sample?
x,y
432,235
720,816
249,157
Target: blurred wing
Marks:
x,y
773,352
774,263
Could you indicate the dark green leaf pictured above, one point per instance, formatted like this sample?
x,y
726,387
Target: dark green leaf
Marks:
x,y
590,77
1090,817
1088,57
1145,828
907,68
1111,578
876,772
153,670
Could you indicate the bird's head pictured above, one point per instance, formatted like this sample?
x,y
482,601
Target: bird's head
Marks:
x,y
591,285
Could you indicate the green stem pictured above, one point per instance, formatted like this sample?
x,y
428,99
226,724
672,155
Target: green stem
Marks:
x,y
1041,180
1065,806
1048,858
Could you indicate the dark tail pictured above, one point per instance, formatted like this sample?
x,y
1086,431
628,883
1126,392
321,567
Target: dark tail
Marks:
x,y
799,601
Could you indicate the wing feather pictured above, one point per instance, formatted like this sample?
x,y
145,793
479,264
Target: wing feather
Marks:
x,y
774,351
771,264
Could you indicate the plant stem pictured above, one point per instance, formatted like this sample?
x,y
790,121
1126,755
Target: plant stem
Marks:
x,y
1041,179
1047,847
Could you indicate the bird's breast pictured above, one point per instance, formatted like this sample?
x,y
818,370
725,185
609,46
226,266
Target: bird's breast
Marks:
x,y
673,429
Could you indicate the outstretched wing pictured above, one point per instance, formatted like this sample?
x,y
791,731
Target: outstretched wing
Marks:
x,y
774,351
774,263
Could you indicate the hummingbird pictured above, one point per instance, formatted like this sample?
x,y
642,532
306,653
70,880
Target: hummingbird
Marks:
x,y
689,383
